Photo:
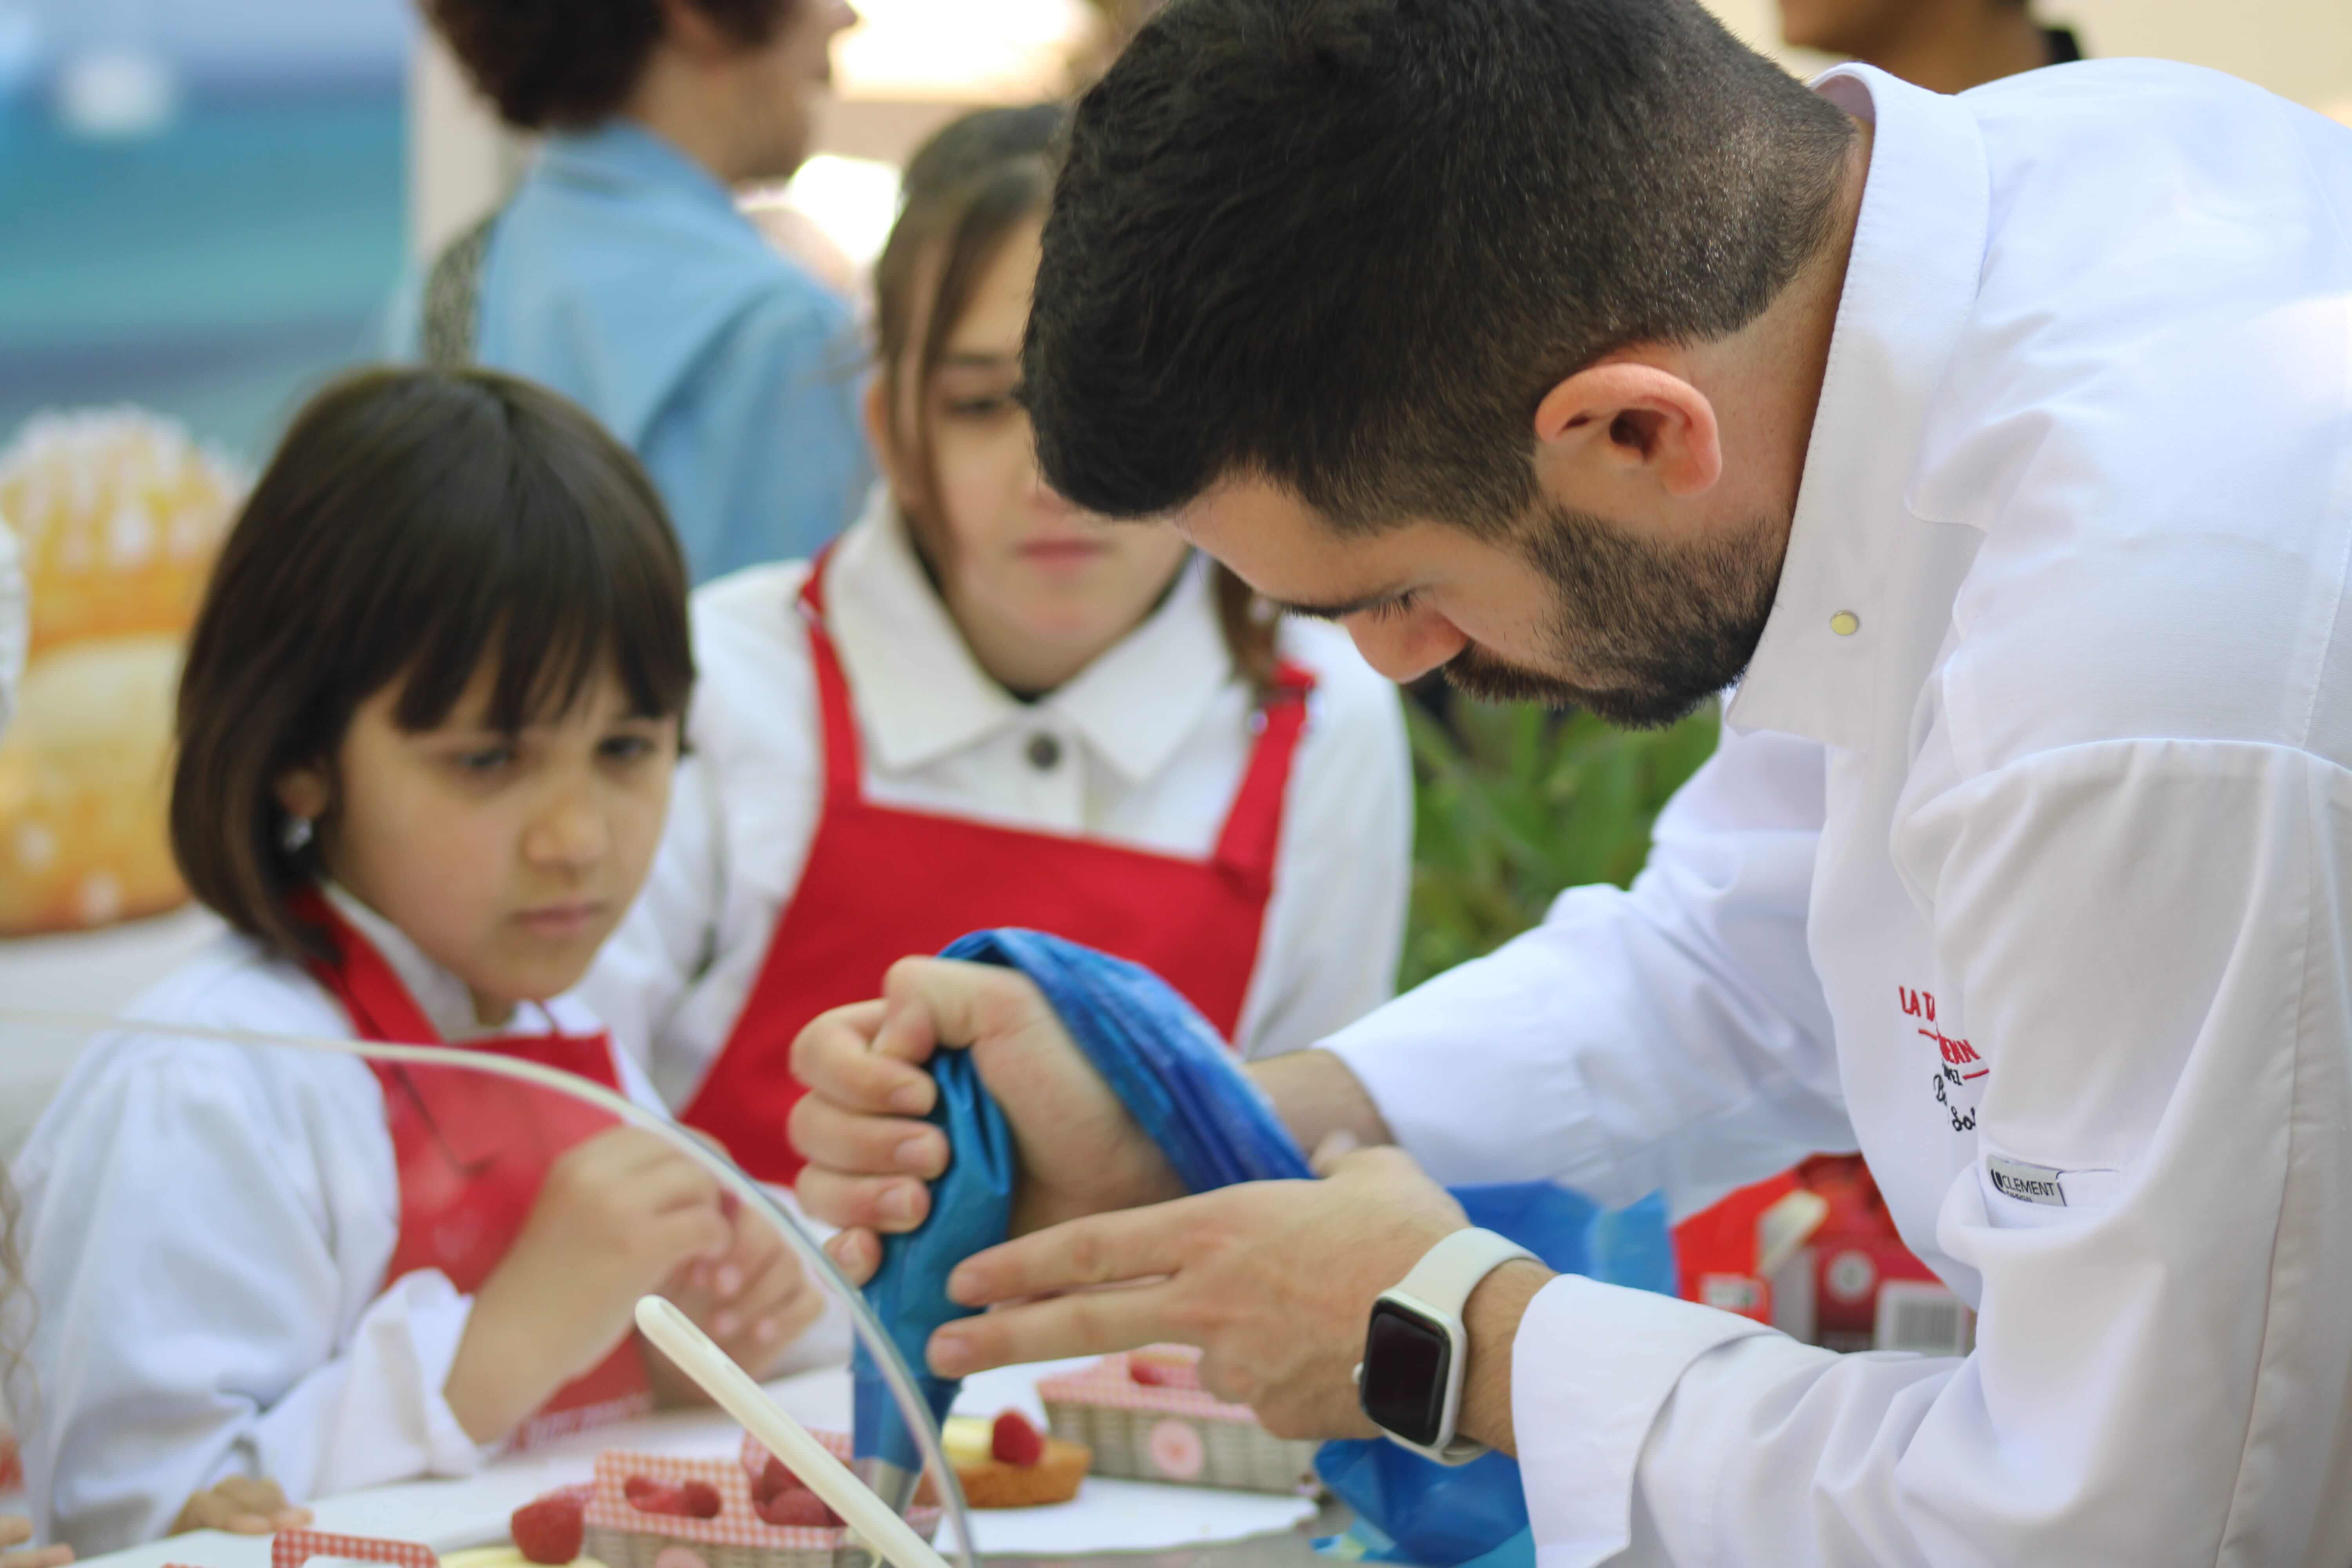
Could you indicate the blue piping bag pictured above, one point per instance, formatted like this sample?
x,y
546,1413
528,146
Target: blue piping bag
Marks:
x,y
1181,1083
971,1210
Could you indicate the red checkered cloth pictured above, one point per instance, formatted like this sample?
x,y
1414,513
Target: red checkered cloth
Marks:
x,y
1110,1383
292,1548
737,1524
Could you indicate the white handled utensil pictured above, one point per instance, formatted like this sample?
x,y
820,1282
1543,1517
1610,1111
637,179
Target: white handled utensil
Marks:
x,y
741,1396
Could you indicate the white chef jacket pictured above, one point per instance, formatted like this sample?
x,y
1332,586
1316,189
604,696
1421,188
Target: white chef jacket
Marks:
x,y
2036,886
205,1231
1152,739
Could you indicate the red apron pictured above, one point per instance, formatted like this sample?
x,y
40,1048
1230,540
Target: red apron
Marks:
x,y
472,1152
883,882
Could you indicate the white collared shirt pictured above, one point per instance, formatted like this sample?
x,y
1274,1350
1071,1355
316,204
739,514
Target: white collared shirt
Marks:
x,y
206,1232
2026,867
1148,745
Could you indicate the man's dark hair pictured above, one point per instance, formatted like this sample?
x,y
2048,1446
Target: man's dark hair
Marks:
x,y
567,64
417,528
1347,245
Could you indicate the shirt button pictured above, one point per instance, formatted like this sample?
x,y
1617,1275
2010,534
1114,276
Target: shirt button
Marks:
x,y
1045,751
1845,623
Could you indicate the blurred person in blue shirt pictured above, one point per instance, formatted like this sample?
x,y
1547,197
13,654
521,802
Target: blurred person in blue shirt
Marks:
x,y
621,274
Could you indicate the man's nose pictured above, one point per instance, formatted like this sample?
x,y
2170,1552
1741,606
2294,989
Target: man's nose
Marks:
x,y
1407,646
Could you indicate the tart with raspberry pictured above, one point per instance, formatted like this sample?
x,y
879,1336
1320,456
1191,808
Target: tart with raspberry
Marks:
x,y
1008,1463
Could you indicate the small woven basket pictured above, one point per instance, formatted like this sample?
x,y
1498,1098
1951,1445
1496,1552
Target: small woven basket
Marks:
x,y
1173,1429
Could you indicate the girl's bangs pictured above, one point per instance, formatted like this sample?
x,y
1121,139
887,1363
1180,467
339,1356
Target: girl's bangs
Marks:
x,y
572,577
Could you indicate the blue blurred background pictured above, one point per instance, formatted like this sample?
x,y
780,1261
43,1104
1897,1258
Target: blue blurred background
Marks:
x,y
201,202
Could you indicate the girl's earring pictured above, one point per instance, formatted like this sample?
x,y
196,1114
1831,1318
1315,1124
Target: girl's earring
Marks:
x,y
296,835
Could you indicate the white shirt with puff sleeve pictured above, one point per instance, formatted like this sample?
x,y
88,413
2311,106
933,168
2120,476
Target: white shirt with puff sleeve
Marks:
x,y
206,1230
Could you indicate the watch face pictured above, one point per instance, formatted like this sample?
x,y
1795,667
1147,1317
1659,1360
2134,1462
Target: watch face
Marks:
x,y
1406,1360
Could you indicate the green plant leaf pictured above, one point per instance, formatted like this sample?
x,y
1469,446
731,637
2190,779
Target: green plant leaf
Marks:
x,y
1515,805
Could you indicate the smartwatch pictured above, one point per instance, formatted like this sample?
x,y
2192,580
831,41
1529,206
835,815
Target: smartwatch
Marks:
x,y
1410,1381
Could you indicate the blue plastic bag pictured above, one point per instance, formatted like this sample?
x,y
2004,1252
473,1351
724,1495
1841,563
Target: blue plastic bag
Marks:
x,y
1181,1085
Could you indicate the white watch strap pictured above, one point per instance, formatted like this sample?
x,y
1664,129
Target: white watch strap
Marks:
x,y
1448,1272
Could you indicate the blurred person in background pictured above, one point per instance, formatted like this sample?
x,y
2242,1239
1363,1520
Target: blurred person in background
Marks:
x,y
989,707
1122,20
621,274
1948,45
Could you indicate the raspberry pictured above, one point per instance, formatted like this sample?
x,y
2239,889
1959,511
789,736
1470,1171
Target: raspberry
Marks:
x,y
548,1531
701,1500
1016,1442
1163,1367
772,1480
647,1495
796,1507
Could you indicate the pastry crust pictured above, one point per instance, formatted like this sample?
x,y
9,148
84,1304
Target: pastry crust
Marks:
x,y
1054,1478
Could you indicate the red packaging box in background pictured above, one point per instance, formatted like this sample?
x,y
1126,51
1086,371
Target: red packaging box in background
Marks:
x,y
1814,1253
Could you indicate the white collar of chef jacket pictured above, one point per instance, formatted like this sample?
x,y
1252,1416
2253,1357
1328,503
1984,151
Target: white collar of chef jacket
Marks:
x,y
1909,287
920,697
440,995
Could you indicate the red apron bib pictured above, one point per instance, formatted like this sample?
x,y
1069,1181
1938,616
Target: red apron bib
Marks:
x,y
472,1152
883,882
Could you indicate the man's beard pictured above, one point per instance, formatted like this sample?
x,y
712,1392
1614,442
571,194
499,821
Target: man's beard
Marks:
x,y
1662,629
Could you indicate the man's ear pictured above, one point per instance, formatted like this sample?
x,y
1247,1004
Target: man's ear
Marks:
x,y
1623,416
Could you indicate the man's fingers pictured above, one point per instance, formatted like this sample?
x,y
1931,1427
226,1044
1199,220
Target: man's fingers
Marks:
x,y
934,1002
39,1557
1339,1155
842,1058
887,1203
866,1143
1089,1322
1333,1150
1101,1250
14,1530
856,1252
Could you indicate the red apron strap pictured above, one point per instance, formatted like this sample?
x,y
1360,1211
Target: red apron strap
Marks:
x,y
380,1005
1252,832
842,763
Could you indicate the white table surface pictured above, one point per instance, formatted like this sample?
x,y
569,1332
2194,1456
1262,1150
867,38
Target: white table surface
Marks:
x,y
451,1515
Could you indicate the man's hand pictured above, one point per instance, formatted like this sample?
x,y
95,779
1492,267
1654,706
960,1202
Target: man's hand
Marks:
x,y
869,1154
1274,1280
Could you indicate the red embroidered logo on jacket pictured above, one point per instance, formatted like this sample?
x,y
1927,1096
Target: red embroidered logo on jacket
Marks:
x,y
1961,1065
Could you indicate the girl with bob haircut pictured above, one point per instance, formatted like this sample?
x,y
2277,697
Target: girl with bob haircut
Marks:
x,y
427,733
985,706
